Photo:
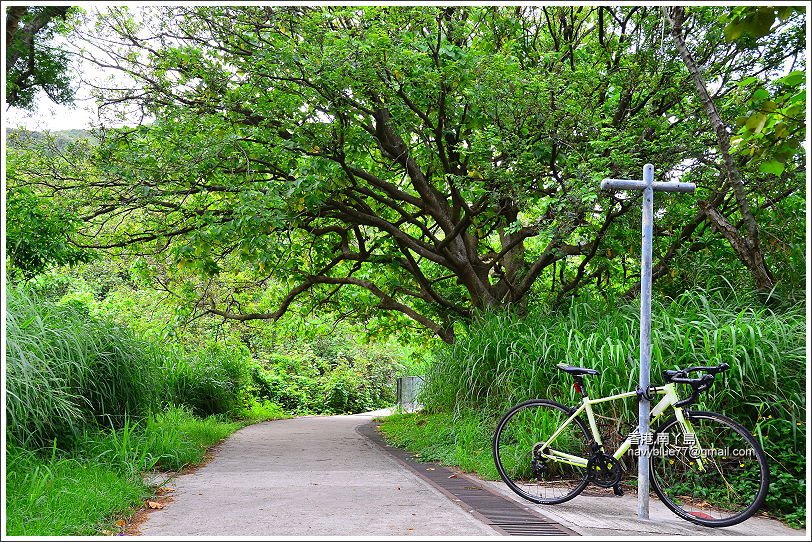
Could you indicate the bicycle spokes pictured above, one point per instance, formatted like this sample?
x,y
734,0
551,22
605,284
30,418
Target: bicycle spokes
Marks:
x,y
545,474
715,475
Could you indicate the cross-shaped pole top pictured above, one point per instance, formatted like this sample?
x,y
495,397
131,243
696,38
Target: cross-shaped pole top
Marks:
x,y
648,180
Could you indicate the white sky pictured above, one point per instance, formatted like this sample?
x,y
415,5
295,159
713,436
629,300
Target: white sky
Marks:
x,y
50,116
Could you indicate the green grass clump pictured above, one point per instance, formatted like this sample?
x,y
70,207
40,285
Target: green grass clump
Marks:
x,y
255,410
461,439
80,491
66,370
59,496
168,440
178,439
208,380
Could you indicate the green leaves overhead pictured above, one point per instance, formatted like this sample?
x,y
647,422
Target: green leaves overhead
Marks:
x,y
755,21
428,160
37,234
772,131
34,61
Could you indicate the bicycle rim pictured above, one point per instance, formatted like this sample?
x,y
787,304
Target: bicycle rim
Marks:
x,y
717,478
535,476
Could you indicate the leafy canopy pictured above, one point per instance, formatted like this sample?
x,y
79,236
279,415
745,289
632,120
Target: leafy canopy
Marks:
x,y
426,160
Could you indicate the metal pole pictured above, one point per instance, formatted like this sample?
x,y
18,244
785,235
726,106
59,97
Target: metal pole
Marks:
x,y
645,340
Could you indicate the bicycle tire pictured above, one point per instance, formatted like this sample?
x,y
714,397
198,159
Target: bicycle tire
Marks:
x,y
732,485
519,431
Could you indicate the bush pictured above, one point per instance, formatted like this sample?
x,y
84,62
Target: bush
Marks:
x,y
209,381
327,379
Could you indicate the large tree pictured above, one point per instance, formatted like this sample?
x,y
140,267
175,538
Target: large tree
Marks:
x,y
432,160
747,245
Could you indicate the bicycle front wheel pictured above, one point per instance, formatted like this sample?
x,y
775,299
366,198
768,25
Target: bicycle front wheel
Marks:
x,y
543,475
711,472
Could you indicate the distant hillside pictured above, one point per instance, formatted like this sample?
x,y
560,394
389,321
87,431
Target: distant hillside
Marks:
x,y
22,138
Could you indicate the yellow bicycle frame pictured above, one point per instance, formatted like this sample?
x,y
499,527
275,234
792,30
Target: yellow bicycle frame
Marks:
x,y
670,398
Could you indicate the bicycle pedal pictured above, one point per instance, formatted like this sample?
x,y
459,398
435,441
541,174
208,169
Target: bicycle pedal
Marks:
x,y
618,490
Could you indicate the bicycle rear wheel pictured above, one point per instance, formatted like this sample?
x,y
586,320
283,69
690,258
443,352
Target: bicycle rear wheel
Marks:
x,y
532,472
717,478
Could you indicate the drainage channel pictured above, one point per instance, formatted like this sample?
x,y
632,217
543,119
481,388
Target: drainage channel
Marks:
x,y
504,515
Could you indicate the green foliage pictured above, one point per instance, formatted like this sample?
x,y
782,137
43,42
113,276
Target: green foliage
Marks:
x,y
256,410
328,376
65,369
783,441
754,21
60,496
774,123
505,359
69,371
37,233
208,380
451,167
33,63
168,440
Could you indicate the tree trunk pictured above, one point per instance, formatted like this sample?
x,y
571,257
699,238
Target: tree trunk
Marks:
x,y
747,246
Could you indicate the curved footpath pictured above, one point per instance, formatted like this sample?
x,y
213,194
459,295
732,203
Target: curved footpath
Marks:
x,y
307,476
319,476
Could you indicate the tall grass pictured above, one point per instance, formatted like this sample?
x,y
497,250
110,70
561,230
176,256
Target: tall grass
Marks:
x,y
505,359
167,440
209,380
66,370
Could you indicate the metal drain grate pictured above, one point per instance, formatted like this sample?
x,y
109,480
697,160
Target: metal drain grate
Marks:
x,y
504,515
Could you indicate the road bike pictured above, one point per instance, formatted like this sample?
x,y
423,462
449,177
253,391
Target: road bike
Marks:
x,y
705,467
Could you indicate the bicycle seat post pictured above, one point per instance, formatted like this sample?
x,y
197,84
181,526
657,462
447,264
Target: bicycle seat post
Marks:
x,y
579,386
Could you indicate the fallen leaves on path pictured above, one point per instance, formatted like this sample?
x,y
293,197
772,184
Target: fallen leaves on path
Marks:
x,y
155,505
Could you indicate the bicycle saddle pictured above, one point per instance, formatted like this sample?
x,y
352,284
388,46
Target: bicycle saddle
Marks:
x,y
577,371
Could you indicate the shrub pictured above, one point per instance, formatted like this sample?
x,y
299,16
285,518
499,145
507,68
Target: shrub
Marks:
x,y
209,381
333,377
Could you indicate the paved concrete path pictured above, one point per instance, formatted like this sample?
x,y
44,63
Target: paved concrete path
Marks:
x,y
307,476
